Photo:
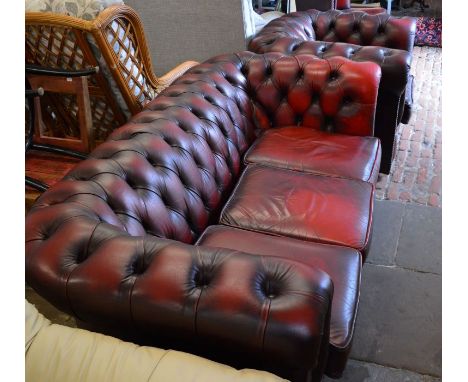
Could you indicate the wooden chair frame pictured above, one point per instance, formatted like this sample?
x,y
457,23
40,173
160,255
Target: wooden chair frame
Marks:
x,y
135,90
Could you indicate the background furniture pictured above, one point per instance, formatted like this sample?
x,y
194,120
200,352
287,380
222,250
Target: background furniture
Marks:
x,y
42,80
114,243
57,353
381,38
111,39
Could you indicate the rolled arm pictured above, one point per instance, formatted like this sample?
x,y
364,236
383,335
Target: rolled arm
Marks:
x,y
275,310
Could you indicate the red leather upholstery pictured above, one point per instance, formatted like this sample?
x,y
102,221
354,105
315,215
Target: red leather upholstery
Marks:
x,y
355,27
295,34
343,4
290,203
98,243
342,264
309,150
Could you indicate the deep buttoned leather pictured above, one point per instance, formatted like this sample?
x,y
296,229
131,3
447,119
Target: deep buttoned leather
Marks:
x,y
110,243
355,27
385,40
342,264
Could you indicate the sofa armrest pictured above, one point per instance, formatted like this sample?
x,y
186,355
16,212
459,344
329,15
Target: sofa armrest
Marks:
x,y
269,309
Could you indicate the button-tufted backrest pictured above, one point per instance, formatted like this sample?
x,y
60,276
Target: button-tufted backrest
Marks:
x,y
355,27
168,171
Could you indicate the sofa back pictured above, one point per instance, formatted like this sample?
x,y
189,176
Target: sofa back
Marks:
x,y
355,27
169,170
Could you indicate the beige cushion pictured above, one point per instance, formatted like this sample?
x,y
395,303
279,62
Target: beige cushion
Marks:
x,y
57,353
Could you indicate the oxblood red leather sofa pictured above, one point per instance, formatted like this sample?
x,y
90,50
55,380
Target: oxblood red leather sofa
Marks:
x,y
229,218
358,36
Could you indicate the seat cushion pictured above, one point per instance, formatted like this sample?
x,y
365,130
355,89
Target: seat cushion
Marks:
x,y
304,206
343,265
310,150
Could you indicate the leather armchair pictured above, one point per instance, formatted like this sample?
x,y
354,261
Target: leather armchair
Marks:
x,y
113,242
385,40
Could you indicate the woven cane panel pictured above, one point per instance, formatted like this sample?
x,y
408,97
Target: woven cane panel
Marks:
x,y
122,39
66,125
55,47
59,47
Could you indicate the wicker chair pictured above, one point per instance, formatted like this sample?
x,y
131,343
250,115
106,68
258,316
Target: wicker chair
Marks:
x,y
113,42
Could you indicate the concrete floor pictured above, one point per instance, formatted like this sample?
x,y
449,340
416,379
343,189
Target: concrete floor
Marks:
x,y
398,334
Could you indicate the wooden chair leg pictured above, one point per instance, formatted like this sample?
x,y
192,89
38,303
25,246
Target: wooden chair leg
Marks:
x,y
77,86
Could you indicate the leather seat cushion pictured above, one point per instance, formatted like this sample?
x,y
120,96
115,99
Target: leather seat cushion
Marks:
x,y
343,265
309,150
304,206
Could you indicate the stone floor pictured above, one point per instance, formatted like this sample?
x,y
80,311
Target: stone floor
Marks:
x,y
416,174
398,334
399,326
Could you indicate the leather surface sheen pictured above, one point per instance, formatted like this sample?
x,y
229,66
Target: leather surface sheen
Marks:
x,y
317,152
382,39
112,243
290,203
342,264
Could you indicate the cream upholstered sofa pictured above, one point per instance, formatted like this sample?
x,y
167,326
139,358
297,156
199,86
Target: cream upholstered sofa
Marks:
x,y
56,353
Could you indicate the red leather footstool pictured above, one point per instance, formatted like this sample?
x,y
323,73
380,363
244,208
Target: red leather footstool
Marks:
x,y
343,265
309,150
316,208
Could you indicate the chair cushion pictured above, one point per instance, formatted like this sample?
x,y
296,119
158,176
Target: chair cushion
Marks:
x,y
343,265
82,9
314,151
304,206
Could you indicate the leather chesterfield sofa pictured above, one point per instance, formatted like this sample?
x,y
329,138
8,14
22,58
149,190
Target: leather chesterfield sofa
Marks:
x,y
387,41
230,218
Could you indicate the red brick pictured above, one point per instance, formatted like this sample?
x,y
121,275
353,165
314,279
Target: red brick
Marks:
x,y
438,152
426,153
410,177
415,148
405,195
393,191
404,144
411,161
436,185
417,136
398,175
420,123
434,200
406,134
422,176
